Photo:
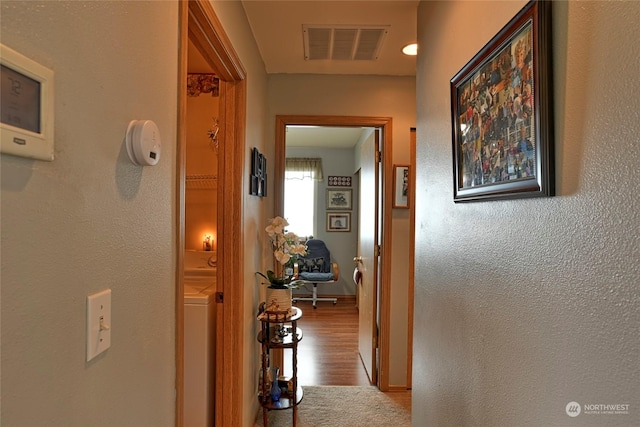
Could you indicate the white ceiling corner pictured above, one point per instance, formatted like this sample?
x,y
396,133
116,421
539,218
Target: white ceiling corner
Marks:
x,y
277,25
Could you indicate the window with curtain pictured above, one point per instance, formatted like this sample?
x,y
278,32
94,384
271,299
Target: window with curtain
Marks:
x,y
300,194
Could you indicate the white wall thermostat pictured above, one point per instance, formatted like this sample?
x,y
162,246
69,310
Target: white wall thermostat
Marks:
x,y
143,142
26,117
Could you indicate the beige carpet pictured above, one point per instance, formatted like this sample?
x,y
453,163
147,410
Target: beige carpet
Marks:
x,y
343,406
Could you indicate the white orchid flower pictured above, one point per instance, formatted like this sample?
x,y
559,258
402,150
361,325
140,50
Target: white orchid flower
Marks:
x,y
282,257
287,246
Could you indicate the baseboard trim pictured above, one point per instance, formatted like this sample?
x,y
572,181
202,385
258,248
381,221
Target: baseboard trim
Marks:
x,y
398,388
351,299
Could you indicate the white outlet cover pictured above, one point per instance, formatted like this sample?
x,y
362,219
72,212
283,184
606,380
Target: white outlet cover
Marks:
x,y
98,323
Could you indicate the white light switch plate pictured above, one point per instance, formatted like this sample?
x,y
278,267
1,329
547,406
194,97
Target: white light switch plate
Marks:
x,y
98,323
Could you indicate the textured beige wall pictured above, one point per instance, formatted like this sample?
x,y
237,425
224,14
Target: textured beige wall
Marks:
x,y
92,220
523,306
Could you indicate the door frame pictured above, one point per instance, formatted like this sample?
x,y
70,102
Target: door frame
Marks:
x,y
198,22
412,252
385,123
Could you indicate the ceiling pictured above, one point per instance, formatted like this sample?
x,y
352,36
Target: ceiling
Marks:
x,y
323,136
278,29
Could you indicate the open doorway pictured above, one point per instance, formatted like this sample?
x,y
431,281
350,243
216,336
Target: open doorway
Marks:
x,y
321,196
199,25
321,200
379,327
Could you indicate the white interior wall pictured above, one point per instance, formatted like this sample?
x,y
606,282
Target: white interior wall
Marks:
x,y
523,306
92,220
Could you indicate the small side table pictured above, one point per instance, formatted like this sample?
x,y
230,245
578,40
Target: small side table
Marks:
x,y
272,336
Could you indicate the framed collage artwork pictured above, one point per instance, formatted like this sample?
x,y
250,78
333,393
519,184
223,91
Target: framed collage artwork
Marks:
x,y
501,110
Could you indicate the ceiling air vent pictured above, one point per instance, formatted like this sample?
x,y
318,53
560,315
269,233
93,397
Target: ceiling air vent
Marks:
x,y
343,42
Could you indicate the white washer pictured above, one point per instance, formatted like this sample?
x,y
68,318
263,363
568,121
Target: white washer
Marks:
x,y
199,348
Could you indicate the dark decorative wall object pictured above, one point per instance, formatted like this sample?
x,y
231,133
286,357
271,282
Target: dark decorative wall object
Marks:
x,y
339,181
258,175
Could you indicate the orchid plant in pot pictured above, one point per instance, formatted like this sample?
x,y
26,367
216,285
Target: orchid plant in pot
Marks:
x,y
286,249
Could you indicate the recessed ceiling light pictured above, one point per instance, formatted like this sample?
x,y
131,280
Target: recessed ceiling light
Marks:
x,y
410,49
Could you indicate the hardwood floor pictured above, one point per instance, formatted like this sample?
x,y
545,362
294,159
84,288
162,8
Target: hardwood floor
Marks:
x,y
328,353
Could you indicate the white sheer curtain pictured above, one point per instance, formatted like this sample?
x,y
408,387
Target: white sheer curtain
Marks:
x,y
300,193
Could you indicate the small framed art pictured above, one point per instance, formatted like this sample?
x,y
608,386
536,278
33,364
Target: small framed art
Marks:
x,y
401,186
338,221
339,198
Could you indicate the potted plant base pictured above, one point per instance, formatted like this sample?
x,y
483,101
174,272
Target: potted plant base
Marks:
x,y
280,298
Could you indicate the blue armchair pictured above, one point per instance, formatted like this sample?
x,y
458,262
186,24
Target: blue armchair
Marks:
x,y
316,268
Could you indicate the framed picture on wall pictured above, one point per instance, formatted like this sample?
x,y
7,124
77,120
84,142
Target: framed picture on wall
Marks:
x,y
338,198
339,181
338,221
401,186
501,110
258,175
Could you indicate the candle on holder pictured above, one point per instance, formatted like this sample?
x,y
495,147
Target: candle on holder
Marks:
x,y
207,243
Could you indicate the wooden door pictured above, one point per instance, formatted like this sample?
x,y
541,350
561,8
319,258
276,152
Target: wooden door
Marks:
x,y
199,23
367,257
